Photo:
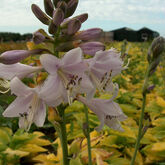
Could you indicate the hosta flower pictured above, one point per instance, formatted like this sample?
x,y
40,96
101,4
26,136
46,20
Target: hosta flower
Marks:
x,y
107,111
102,67
66,76
16,70
28,105
14,56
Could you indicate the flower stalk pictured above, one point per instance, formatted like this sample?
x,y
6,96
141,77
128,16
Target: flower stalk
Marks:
x,y
61,110
154,57
87,134
140,131
63,136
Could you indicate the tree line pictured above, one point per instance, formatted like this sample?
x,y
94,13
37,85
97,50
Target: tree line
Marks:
x,y
8,36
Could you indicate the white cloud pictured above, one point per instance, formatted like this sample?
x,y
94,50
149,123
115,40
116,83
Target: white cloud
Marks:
x,y
129,11
18,12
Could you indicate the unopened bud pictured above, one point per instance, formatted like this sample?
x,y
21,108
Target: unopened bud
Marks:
x,y
66,46
91,48
157,47
71,7
73,26
52,28
82,18
48,7
155,53
38,37
70,26
63,6
153,66
14,56
89,34
58,16
40,14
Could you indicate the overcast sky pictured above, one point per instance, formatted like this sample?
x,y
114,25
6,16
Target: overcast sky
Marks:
x,y
16,15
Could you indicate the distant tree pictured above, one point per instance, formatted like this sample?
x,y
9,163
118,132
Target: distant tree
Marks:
x,y
8,36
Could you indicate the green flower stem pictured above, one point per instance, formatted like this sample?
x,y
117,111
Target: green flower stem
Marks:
x,y
145,86
87,134
63,136
61,126
139,131
56,36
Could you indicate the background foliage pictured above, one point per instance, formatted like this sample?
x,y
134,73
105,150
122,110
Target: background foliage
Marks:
x,y
109,147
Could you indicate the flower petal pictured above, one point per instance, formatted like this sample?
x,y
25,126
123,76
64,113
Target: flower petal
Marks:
x,y
102,120
87,87
40,115
77,68
72,57
19,106
52,90
18,88
114,124
50,63
19,70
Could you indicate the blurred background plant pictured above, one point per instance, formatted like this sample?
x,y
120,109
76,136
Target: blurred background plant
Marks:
x,y
109,147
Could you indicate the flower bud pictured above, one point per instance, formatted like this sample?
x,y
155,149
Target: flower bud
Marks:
x,y
58,16
73,26
71,7
63,6
14,56
157,47
82,18
66,46
40,14
155,53
70,26
91,48
48,7
38,37
52,28
89,34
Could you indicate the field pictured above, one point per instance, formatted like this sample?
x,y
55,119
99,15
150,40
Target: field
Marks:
x,y
109,147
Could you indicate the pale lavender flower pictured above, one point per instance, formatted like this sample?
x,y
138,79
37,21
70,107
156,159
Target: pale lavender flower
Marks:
x,y
28,105
108,111
88,34
17,70
38,37
102,67
14,56
91,48
66,77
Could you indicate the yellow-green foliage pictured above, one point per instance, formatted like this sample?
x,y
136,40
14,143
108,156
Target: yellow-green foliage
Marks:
x,y
109,147
13,147
11,46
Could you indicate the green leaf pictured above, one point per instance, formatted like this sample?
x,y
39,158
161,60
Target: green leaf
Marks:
x,y
75,162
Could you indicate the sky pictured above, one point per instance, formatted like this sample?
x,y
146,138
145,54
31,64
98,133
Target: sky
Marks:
x,y
16,15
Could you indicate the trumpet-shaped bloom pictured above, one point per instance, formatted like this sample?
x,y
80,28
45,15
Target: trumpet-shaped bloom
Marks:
x,y
66,77
102,67
107,111
14,56
16,70
28,105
